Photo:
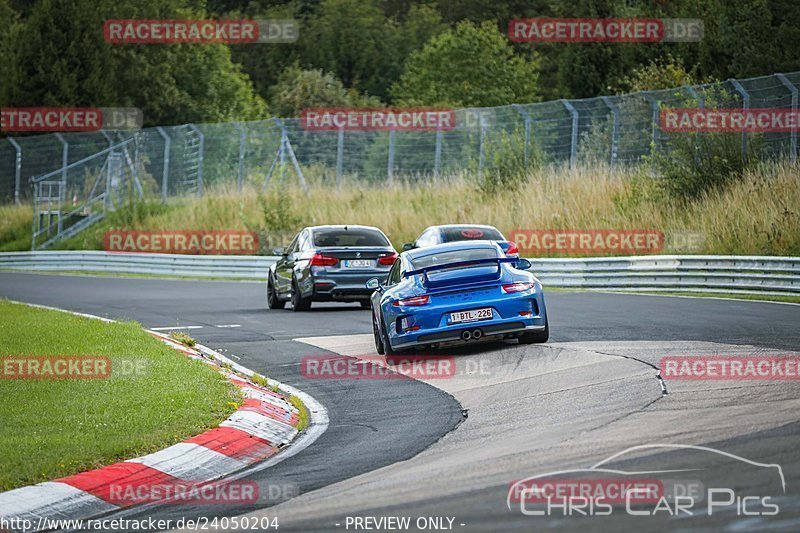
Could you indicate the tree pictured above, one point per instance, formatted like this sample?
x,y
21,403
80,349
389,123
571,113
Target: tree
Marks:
x,y
351,39
298,89
65,61
659,74
8,25
466,67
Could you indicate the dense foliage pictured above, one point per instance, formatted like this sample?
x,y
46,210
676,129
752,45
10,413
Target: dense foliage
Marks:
x,y
450,52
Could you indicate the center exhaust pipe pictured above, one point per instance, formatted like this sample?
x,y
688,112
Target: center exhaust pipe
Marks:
x,y
466,335
477,334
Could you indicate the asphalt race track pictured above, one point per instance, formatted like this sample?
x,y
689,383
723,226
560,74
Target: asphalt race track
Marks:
x,y
403,448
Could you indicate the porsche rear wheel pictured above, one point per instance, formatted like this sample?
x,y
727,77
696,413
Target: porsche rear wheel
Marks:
x,y
536,337
377,336
387,346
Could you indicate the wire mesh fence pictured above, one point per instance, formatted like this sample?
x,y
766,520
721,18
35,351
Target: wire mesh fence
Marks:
x,y
188,159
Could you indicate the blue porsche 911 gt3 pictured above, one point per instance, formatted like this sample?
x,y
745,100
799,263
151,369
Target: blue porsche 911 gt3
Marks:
x,y
454,293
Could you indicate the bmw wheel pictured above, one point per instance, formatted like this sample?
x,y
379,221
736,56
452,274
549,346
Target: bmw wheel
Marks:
x,y
273,301
298,302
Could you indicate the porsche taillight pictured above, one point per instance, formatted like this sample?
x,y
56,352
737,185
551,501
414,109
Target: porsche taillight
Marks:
x,y
519,286
412,302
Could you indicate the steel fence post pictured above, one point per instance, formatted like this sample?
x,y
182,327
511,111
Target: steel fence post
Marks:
x,y
390,158
242,147
793,135
573,145
653,119
437,154
339,155
527,117
201,157
165,168
62,190
614,128
745,106
700,100
481,148
700,104
17,168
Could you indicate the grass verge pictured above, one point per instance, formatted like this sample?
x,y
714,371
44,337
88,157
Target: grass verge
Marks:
x,y
302,421
153,398
756,214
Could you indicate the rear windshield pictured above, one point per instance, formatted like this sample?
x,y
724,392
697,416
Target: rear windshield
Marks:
x,y
349,237
470,234
453,256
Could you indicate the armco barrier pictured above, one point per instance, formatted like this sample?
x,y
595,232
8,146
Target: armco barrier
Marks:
x,y
201,266
713,273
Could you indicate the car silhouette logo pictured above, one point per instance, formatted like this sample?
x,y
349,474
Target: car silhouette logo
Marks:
x,y
472,233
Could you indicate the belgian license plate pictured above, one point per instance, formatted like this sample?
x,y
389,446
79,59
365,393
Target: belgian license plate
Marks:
x,y
357,263
472,315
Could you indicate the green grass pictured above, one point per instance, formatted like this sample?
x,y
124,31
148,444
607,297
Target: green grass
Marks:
x,y
53,428
756,214
302,420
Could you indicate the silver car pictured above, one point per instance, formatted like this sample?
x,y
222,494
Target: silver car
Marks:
x,y
329,263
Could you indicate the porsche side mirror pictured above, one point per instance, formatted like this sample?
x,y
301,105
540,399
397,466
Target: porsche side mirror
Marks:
x,y
279,251
524,264
373,284
408,246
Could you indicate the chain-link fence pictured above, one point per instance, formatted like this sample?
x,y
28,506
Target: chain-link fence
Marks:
x,y
188,159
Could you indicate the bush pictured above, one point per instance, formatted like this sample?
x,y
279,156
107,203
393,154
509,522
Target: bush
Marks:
x,y
504,165
693,164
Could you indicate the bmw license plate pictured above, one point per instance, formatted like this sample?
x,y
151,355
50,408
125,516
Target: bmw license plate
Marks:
x,y
357,263
473,315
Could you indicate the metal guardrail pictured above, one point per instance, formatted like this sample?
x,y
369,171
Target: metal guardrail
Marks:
x,y
713,273
200,266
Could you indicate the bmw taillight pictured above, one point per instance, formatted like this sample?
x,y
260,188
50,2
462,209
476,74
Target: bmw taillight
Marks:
x,y
387,259
320,260
512,248
412,302
520,286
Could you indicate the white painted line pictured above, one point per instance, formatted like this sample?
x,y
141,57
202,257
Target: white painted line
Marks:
x,y
733,299
84,315
169,328
229,326
191,462
58,499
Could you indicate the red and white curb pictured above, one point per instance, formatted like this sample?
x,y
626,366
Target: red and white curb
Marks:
x,y
263,425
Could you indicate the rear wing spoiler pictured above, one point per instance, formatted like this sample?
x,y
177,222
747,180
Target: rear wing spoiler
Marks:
x,y
434,268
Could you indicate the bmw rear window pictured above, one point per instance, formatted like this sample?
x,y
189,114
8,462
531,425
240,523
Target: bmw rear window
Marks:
x,y
453,256
470,234
349,237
